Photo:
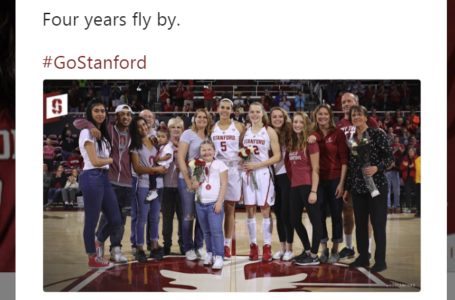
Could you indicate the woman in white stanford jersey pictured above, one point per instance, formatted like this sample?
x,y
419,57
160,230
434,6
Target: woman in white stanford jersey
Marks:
x,y
226,137
262,138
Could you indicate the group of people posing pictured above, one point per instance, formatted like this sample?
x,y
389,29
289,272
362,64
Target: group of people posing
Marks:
x,y
295,165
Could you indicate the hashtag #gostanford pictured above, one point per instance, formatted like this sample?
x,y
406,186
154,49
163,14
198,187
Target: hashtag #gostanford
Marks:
x,y
84,62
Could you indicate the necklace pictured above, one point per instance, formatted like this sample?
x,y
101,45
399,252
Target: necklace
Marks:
x,y
208,187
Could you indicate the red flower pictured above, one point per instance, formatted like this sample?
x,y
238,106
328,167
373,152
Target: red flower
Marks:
x,y
197,162
202,163
247,151
240,155
187,163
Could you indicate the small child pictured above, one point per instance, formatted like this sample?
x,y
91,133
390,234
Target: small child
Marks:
x,y
164,158
210,212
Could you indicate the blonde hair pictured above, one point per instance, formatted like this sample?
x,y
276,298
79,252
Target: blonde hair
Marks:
x,y
265,118
286,129
175,121
315,127
300,142
208,128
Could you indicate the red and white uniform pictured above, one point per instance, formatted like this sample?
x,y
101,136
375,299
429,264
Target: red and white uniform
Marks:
x,y
227,144
350,129
7,194
265,192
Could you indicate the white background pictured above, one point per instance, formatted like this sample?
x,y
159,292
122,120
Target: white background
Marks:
x,y
239,40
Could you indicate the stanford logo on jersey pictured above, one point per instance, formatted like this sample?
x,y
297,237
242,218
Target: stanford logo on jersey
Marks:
x,y
254,141
223,138
7,149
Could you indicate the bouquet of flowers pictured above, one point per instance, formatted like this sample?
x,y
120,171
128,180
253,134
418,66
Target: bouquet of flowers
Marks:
x,y
197,167
245,154
362,149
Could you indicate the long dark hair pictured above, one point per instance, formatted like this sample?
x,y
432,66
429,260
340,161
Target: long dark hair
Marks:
x,y
7,56
136,139
103,126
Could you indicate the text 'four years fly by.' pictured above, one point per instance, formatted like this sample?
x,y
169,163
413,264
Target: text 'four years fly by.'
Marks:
x,y
138,20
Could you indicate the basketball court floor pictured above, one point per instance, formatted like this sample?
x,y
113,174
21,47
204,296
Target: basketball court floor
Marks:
x,y
65,263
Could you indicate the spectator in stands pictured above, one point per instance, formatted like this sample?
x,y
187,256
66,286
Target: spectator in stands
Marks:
x,y
359,87
413,144
247,103
47,180
89,96
414,120
278,97
285,104
105,93
417,187
48,152
238,103
135,107
115,92
209,93
338,105
75,161
397,148
68,142
185,112
264,104
359,93
387,102
267,97
300,101
216,104
168,107
405,94
74,101
237,117
164,95
390,135
70,190
374,115
397,115
331,89
409,127
124,98
344,87
133,89
144,93
91,85
395,97
179,98
188,95
405,136
387,121
57,183
373,103
380,95
408,173
398,126
393,178
176,112
368,94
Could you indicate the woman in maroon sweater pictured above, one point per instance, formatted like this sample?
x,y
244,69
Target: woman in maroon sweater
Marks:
x,y
333,167
408,174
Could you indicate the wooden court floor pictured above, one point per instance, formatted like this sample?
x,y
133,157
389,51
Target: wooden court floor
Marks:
x,y
65,263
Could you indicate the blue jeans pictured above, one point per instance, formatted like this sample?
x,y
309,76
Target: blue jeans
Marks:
x,y
74,109
66,155
123,195
147,212
328,188
393,178
133,211
189,208
212,227
98,194
53,194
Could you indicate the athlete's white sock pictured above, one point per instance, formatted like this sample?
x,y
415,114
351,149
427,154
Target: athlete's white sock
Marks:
x,y
267,231
369,246
66,203
251,225
348,239
227,242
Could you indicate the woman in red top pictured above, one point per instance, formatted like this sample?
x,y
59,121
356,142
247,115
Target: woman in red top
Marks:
x,y
408,174
168,107
333,166
304,161
374,115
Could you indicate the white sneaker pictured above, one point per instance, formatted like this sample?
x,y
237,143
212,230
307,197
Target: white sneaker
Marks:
x,y
152,195
288,256
218,264
278,255
117,256
201,253
191,255
100,250
209,260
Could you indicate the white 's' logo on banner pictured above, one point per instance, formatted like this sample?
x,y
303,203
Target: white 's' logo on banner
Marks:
x,y
56,106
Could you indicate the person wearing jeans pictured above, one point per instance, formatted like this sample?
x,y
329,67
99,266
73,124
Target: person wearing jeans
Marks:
x,y
57,184
393,179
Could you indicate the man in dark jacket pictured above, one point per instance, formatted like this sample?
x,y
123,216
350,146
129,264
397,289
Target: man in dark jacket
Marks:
x,y
69,143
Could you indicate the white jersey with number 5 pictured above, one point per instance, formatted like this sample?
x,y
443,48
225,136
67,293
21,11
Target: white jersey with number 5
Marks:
x,y
227,143
260,142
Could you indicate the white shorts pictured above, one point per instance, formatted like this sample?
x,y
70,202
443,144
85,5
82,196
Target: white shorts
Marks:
x,y
265,192
234,190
